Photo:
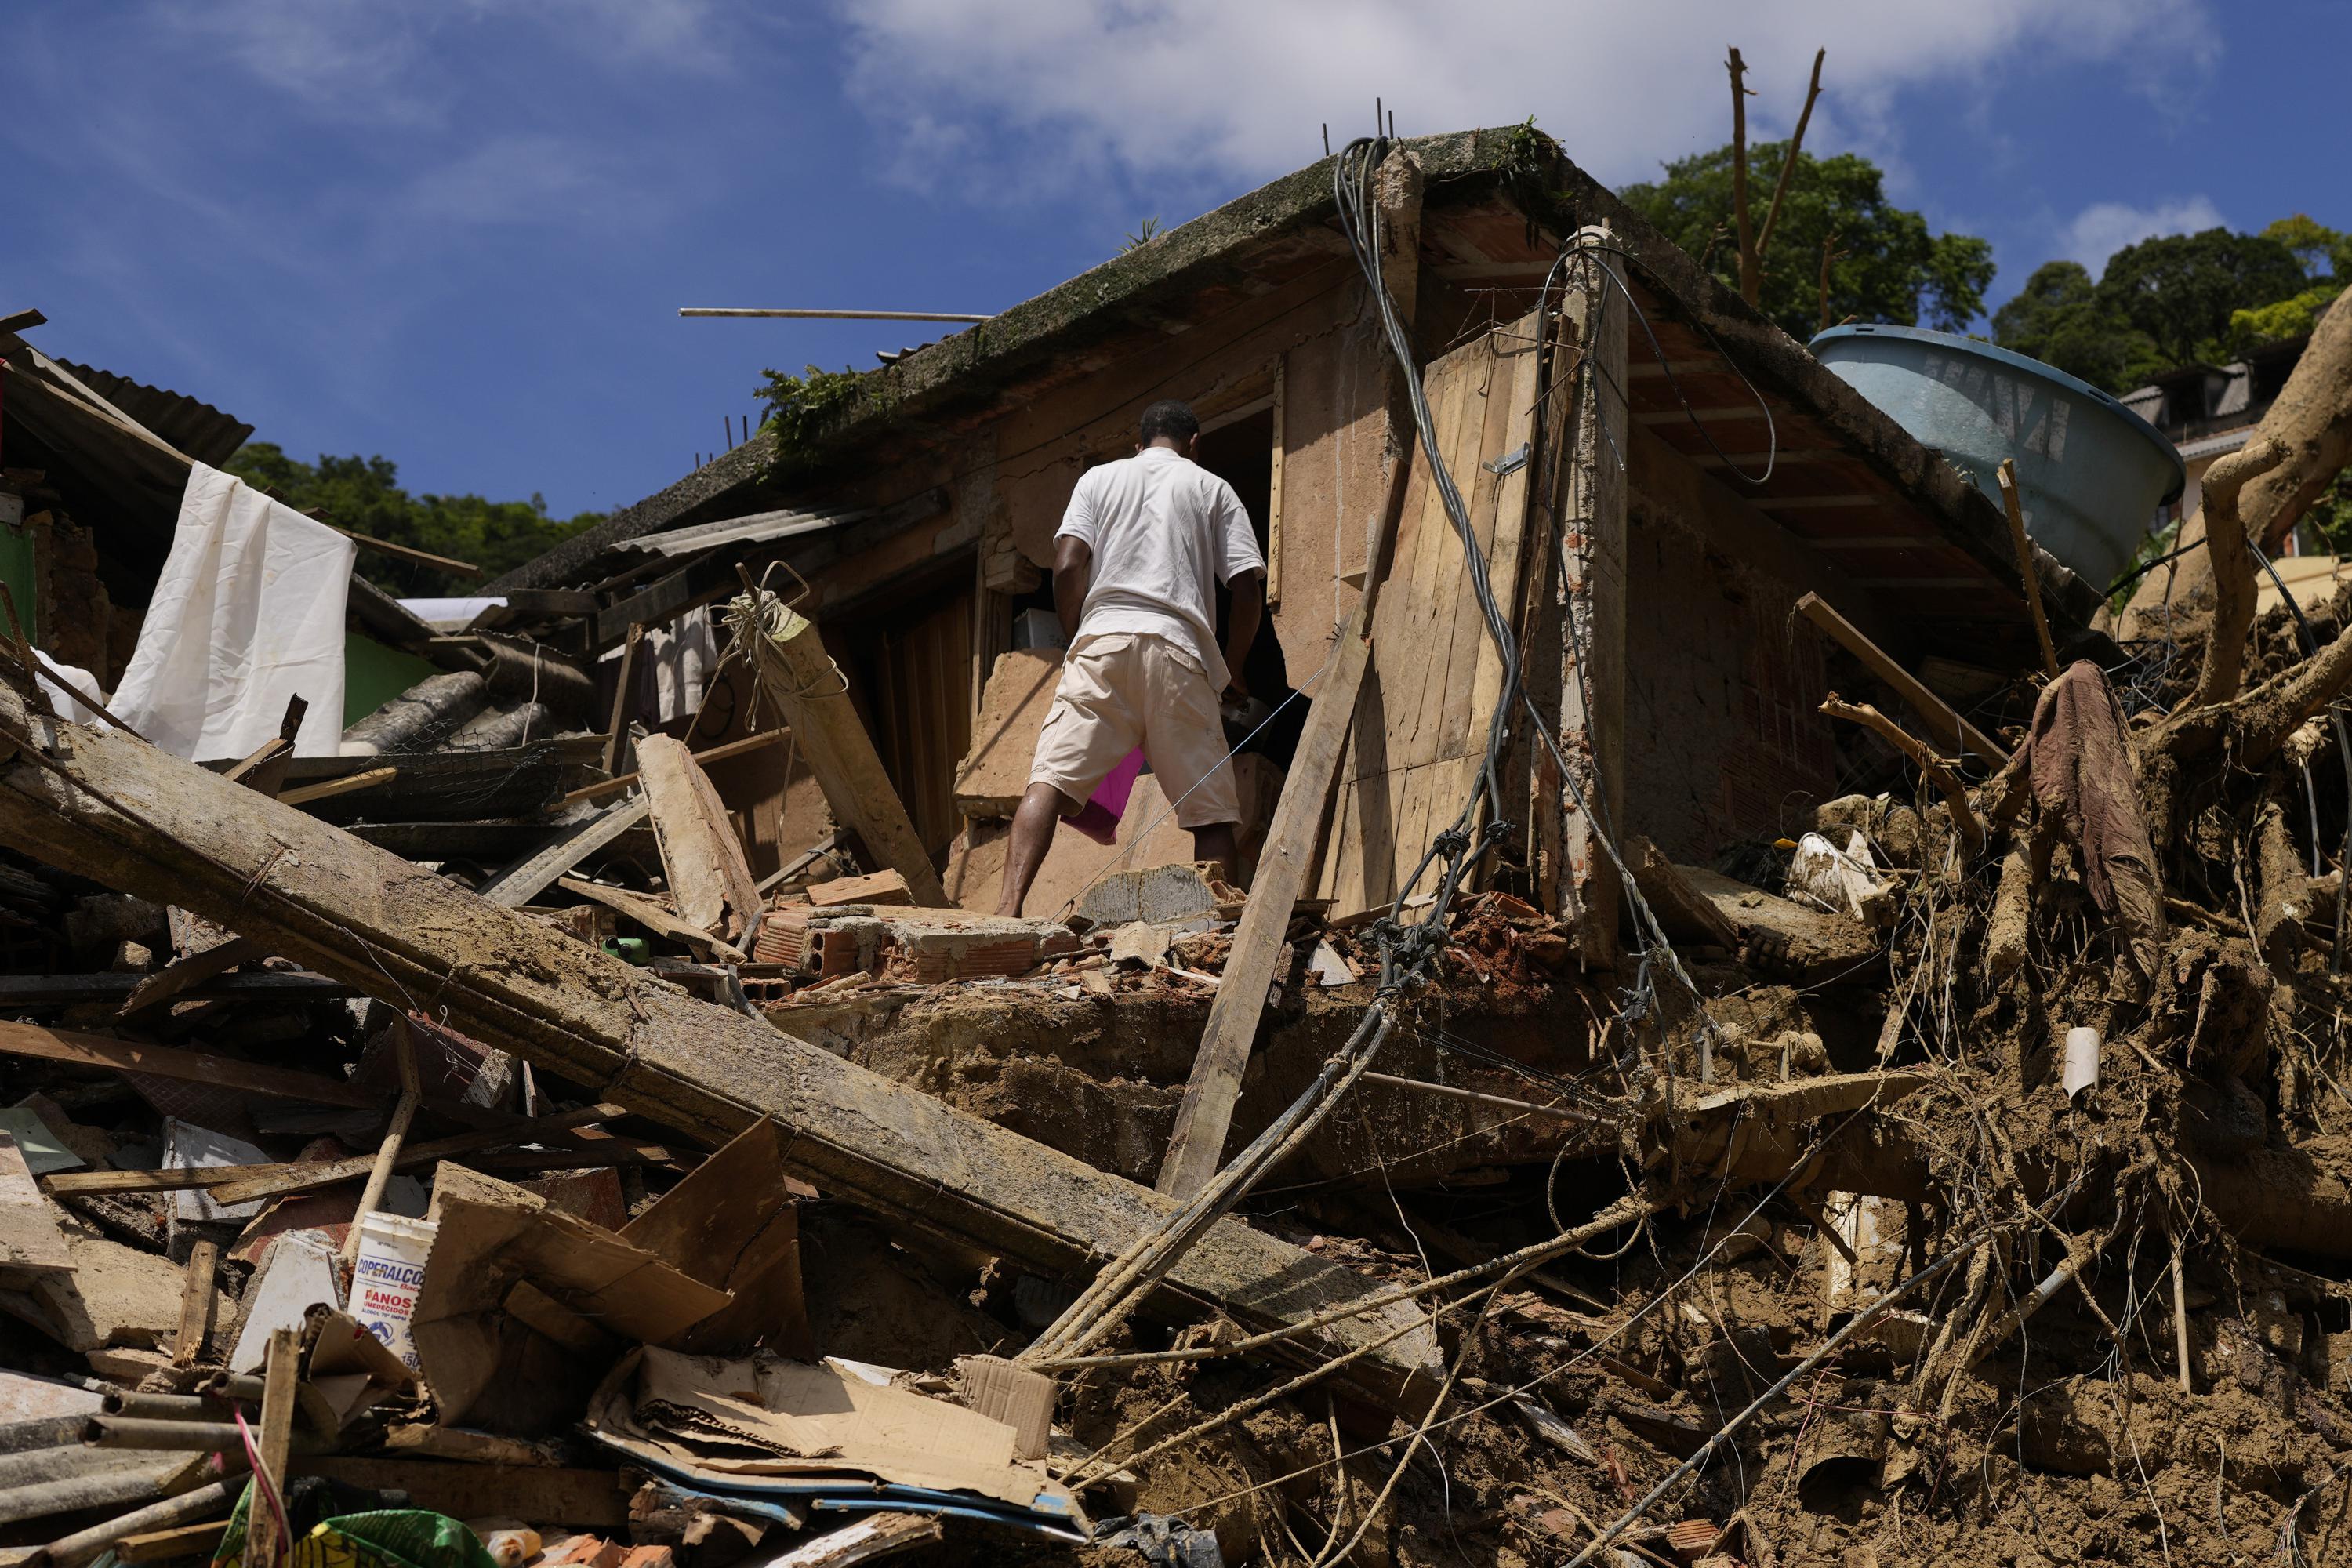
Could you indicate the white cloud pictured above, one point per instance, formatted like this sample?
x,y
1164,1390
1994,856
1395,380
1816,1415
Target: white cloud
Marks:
x,y
1220,87
523,179
2101,229
371,61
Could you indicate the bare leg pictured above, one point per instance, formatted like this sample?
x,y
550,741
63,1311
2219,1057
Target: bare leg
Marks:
x,y
1215,842
1033,835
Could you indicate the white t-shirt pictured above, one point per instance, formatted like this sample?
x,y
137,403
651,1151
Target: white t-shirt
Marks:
x,y
1164,531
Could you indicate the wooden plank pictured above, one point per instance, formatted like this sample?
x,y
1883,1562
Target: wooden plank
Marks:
x,y
309,1175
1206,1114
196,1302
799,676
1953,733
544,1494
280,1376
29,1238
529,877
189,1066
1591,701
387,1154
194,970
324,898
653,915
1421,725
625,699
350,783
18,991
163,1545
1274,493
710,880
709,754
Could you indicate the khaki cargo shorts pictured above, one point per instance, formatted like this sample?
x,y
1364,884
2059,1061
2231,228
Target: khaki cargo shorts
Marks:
x,y
1124,690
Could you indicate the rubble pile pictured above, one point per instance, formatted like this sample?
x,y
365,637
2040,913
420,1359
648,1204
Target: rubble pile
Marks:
x,y
1960,1177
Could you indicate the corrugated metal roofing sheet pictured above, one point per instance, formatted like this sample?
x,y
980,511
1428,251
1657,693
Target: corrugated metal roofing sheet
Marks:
x,y
198,429
758,527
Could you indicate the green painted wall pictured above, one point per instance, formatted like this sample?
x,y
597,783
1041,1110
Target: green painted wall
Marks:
x,y
373,674
22,575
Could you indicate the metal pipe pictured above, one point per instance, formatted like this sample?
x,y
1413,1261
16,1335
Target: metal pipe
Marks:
x,y
163,1406
78,1484
188,1507
172,1435
831,315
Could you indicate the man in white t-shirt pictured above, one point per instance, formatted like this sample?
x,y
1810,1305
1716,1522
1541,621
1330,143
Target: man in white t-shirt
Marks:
x,y
1137,562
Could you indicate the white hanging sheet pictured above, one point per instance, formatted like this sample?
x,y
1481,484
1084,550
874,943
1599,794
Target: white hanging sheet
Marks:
x,y
249,612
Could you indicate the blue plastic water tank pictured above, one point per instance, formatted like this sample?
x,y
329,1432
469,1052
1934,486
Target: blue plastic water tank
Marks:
x,y
2090,472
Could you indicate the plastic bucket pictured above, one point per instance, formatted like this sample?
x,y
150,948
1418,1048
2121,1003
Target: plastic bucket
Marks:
x,y
385,1278
2090,472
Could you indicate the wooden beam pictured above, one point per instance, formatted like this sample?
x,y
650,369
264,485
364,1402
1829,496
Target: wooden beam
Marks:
x,y
625,701
709,754
387,1154
1591,666
529,877
350,783
213,962
1197,1147
652,914
799,676
280,1375
309,1175
142,822
702,860
189,1067
1953,733
196,1302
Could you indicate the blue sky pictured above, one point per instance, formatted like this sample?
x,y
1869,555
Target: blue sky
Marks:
x,y
456,233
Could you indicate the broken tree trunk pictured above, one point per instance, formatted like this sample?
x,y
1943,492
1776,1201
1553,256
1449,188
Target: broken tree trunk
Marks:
x,y
795,673
2233,569
122,813
2312,418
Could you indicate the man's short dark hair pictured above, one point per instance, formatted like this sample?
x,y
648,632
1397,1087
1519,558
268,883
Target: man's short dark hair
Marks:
x,y
1171,419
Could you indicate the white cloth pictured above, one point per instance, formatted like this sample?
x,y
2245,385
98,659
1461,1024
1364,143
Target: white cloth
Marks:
x,y
682,656
1164,531
61,682
248,613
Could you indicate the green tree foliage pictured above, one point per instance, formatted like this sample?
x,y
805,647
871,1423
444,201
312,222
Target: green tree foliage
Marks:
x,y
2061,319
363,495
798,405
2180,289
2176,300
1890,270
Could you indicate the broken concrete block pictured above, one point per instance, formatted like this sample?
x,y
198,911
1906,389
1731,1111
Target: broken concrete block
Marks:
x,y
29,1238
1161,895
1140,942
296,1272
880,888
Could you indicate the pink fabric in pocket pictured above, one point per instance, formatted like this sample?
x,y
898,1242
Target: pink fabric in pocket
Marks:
x,y
1098,818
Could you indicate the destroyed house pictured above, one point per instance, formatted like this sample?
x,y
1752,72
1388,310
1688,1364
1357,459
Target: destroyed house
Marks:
x,y
613,1137
1725,476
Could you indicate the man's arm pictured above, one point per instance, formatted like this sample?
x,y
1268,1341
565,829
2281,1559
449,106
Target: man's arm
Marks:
x,y
1074,571
1248,589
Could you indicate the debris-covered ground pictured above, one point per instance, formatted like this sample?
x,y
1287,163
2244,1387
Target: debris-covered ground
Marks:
x,y
1964,1180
